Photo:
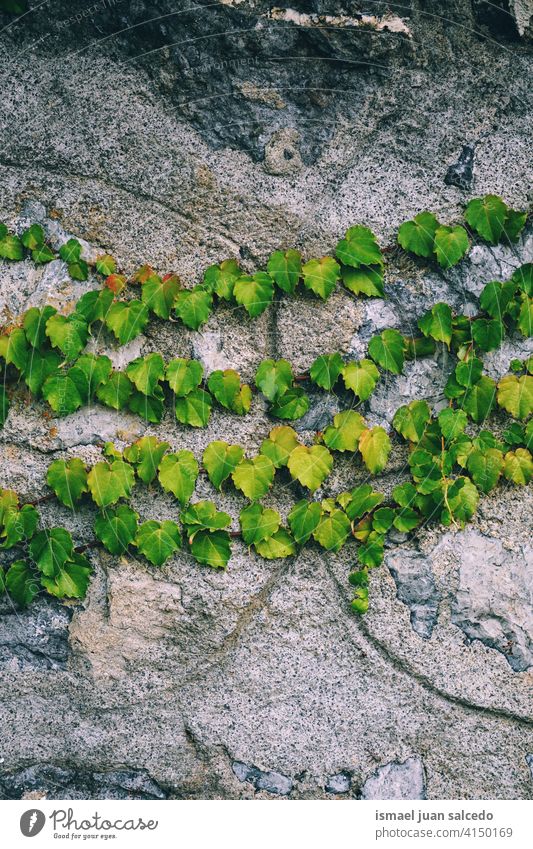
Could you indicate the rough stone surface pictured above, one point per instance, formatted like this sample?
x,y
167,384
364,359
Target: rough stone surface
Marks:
x,y
181,141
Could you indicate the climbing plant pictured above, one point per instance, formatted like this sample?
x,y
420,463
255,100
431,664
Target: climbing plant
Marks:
x,y
452,457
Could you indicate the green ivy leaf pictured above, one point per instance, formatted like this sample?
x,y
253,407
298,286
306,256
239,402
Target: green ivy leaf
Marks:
x,y
375,447
146,455
254,292
485,468
220,460
22,583
95,305
273,378
50,549
468,373
463,499
523,278
211,548
495,298
194,409
279,545
361,377
146,372
39,367
488,333
150,407
115,392
281,442
344,434
525,317
14,348
518,466
387,350
11,248
193,306
487,217
116,529
333,530
366,280
411,420
88,372
418,235
254,477
34,324
105,265
78,270
362,500
68,479
127,319
285,267
326,370
451,244
406,520
108,482
479,399
178,473
70,251
258,523
515,394
303,520
293,404
359,247
230,393
452,422
514,224
221,278
62,394
371,553
159,295
69,334
4,406
382,520
19,525
437,323
321,275
184,375
310,466
158,540
203,516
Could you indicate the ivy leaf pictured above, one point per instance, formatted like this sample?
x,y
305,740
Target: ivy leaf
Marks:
x,y
258,523
254,292
304,519
488,333
382,520
14,348
221,278
39,367
220,460
34,324
273,378
184,375
146,455
371,553
78,270
146,372
361,377
42,255
158,540
418,235
159,295
518,466
525,317
178,473
361,500
333,530
279,545
230,393
11,248
437,323
127,319
487,217
72,580
321,275
68,479
523,278
366,280
116,391
293,404
310,466
50,549
19,525
485,468
344,434
69,334
193,306
375,447
515,394
150,407
451,244
469,372
326,370
406,520
108,482
105,265
194,409
387,350
285,268
359,247
88,372
452,422
203,516
479,399
463,499
70,251
514,224
116,283
21,583
254,477
117,528
411,420
4,406
281,442
95,305
62,394
211,548
495,298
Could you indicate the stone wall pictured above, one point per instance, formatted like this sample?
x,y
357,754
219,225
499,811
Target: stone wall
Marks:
x,y
231,130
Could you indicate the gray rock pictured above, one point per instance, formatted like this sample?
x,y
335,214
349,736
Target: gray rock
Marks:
x,y
339,783
322,407
52,781
529,761
395,780
461,173
271,782
36,637
416,587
